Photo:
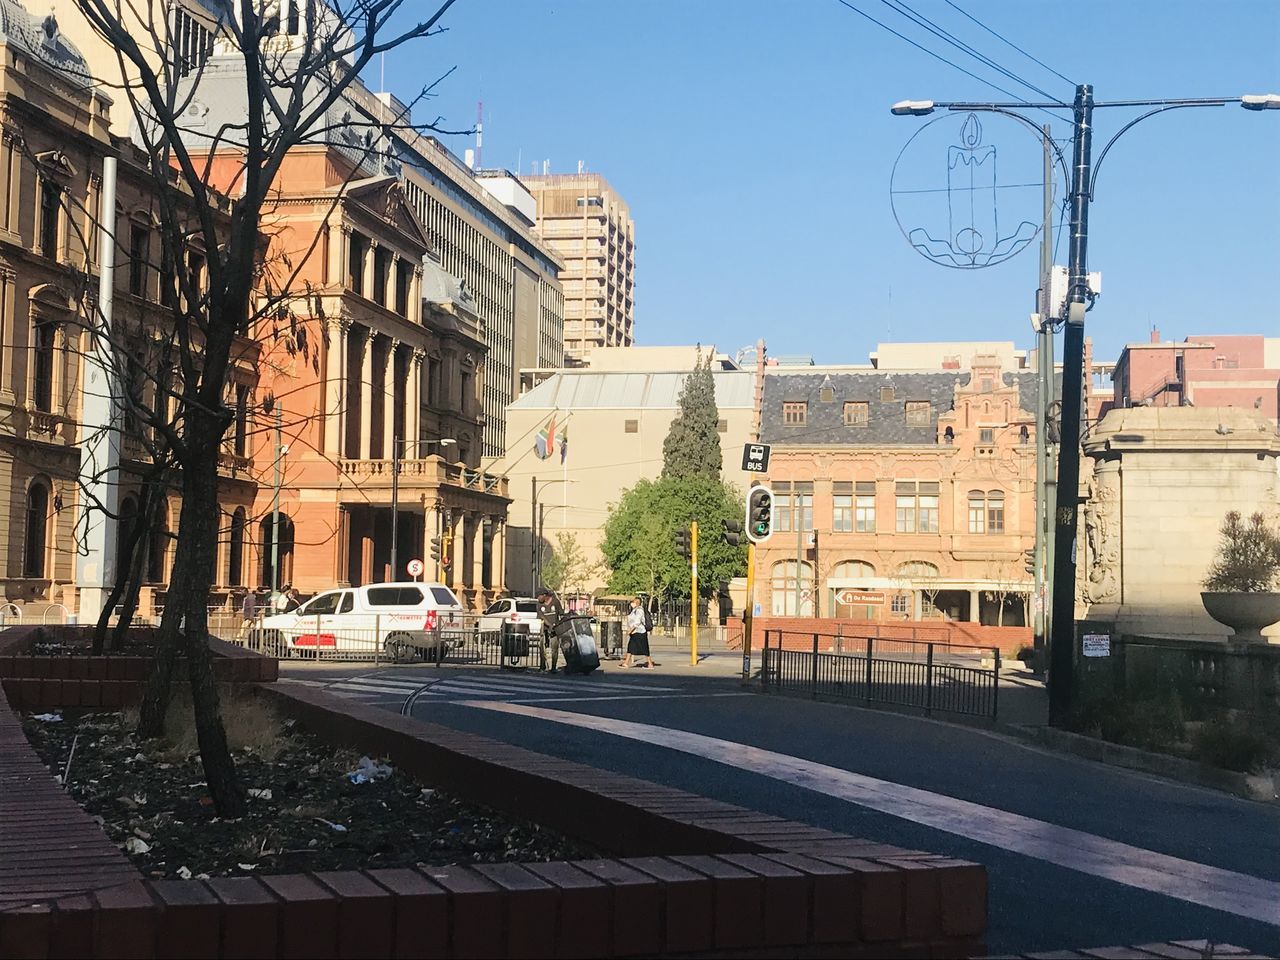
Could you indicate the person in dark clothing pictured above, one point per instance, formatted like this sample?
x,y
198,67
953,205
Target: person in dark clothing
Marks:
x,y
639,625
549,612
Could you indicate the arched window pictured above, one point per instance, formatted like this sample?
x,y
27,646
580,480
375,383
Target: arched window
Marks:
x,y
917,570
35,549
42,359
852,570
235,550
986,511
784,586
1024,435
949,436
158,545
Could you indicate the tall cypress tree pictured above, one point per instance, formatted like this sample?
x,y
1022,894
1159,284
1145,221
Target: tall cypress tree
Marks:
x,y
692,447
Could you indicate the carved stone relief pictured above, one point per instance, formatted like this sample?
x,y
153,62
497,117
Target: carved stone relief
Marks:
x,y
1102,538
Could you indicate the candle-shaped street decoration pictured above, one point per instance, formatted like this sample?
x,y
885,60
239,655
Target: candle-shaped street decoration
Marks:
x,y
970,237
971,192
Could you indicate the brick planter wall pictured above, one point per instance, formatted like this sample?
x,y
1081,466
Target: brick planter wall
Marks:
x,y
112,680
800,631
716,878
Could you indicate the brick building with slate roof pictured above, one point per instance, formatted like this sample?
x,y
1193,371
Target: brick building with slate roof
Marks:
x,y
918,486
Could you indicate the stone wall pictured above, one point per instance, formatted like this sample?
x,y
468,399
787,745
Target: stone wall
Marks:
x,y
1163,478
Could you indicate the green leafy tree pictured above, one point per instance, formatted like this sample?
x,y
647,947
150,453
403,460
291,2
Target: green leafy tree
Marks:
x,y
568,566
692,447
638,546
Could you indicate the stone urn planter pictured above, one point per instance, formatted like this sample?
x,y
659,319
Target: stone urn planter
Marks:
x,y
1245,613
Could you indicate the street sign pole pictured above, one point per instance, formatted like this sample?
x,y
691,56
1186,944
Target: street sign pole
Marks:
x,y
749,612
693,594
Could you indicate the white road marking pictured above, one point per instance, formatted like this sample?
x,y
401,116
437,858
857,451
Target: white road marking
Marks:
x,y
630,696
1236,893
378,686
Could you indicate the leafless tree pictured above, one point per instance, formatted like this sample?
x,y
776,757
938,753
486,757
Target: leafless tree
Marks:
x,y
213,192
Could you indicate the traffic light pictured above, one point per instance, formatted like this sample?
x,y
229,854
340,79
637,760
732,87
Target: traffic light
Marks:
x,y
759,514
437,545
681,540
1029,555
732,533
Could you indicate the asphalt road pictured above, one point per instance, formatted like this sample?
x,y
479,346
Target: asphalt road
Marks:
x,y
1078,853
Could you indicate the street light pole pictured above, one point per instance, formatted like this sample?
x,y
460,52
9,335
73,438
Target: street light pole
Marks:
x,y
1083,178
1066,509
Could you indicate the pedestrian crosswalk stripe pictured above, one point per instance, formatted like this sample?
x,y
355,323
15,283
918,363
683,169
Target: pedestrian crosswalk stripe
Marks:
x,y
384,688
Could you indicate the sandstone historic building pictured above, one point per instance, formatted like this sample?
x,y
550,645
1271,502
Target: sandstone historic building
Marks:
x,y
900,494
55,135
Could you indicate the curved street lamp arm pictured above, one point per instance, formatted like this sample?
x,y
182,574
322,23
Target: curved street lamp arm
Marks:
x,y
1097,164
994,108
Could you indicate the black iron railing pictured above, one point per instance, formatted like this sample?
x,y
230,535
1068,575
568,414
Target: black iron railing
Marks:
x,y
906,673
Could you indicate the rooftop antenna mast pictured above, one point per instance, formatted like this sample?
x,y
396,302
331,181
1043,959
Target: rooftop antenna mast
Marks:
x,y
479,134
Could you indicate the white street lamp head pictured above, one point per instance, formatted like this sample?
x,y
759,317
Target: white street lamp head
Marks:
x,y
912,108
447,442
1261,101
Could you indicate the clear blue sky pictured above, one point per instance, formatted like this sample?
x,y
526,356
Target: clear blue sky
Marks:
x,y
754,144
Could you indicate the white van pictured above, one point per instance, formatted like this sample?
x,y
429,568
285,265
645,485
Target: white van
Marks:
x,y
396,620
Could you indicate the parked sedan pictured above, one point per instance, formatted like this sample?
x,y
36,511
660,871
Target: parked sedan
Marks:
x,y
510,610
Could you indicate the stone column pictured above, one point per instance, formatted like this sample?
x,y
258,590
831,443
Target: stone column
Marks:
x,y
390,391
335,372
15,184
498,560
8,151
413,416
370,260
917,605
338,253
390,286
366,396
975,606
342,557
477,559
415,294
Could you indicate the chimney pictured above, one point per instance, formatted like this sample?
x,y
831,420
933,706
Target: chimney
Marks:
x,y
1155,334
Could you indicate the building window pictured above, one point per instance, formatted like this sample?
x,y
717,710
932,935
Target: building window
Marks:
x,y
986,435
381,265
139,250
977,512
355,263
899,603
242,421
865,506
433,381
786,585
886,395
795,413
631,426
722,426
195,278
842,507
986,511
857,413
34,552
987,386
995,511
1024,435
50,206
235,550
918,413
192,42
916,506
403,275
42,381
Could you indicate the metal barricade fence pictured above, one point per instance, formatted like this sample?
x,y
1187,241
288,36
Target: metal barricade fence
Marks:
x,y
907,673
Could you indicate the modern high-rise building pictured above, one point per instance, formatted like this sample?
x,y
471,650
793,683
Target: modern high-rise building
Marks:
x,y
589,226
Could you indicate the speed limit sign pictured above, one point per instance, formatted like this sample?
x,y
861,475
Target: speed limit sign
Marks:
x,y
416,568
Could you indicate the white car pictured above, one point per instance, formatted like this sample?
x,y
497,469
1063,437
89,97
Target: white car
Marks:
x,y
398,620
510,610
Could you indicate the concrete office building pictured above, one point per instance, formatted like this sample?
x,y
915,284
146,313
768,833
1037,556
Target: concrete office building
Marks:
x,y
589,226
616,413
